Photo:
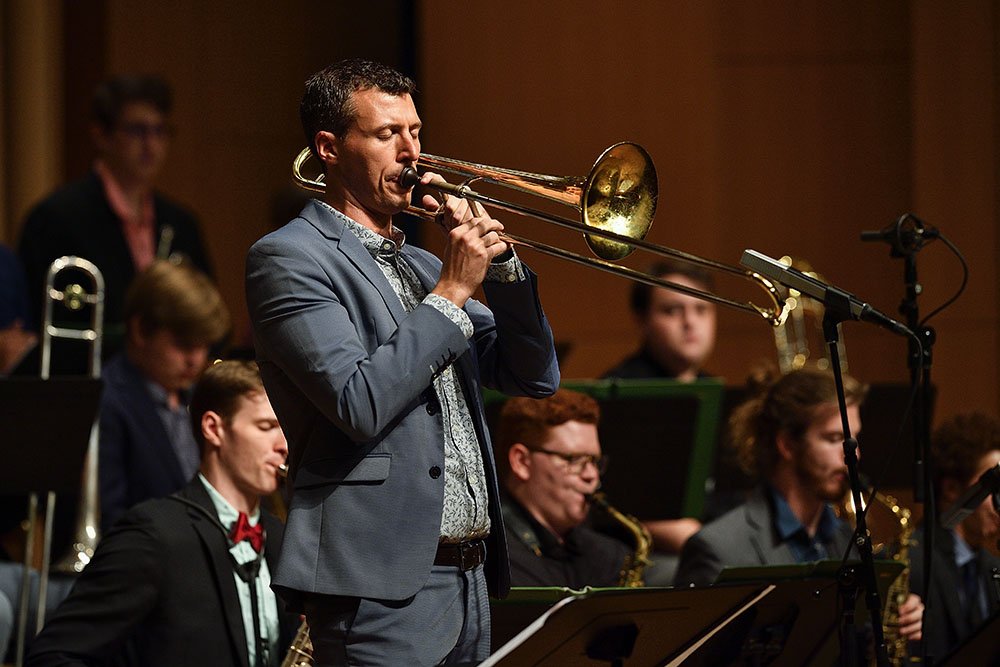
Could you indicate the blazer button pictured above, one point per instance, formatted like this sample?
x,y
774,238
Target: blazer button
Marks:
x,y
433,407
434,472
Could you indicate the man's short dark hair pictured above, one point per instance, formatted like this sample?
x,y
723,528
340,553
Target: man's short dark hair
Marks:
x,y
327,104
113,95
641,292
959,443
219,390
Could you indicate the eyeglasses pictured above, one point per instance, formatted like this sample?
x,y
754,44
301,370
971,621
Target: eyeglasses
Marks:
x,y
140,131
575,463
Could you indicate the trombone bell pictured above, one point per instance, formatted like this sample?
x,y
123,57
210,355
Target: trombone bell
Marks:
x,y
620,197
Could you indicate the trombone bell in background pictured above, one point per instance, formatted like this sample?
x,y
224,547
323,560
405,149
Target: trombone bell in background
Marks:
x,y
615,202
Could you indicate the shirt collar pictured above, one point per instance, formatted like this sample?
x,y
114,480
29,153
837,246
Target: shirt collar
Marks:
x,y
119,202
376,244
548,542
963,552
788,524
160,396
227,513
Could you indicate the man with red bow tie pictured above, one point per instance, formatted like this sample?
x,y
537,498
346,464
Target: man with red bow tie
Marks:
x,y
185,580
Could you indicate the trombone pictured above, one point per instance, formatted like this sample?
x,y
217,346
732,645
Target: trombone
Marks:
x,y
74,297
615,201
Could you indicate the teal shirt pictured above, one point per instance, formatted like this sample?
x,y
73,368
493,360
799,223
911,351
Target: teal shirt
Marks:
x,y
266,602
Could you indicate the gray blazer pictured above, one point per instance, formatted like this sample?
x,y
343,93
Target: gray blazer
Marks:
x,y
349,373
744,536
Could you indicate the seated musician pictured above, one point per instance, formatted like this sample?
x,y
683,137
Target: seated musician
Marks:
x,y
185,580
147,450
790,433
963,590
550,458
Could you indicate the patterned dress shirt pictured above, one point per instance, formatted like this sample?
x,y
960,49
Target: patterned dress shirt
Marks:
x,y
464,514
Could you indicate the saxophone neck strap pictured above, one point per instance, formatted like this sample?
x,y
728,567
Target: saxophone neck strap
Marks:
x,y
520,526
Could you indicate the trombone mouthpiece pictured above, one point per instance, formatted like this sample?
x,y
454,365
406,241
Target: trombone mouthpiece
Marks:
x,y
283,470
409,177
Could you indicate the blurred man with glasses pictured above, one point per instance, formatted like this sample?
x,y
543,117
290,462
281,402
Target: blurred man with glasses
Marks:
x,y
550,457
113,216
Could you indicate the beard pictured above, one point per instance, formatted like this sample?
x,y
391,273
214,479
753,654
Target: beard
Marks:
x,y
828,485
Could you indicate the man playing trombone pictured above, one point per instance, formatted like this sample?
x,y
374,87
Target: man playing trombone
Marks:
x,y
374,354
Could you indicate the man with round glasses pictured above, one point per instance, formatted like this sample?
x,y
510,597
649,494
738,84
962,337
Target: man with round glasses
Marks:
x,y
114,216
550,457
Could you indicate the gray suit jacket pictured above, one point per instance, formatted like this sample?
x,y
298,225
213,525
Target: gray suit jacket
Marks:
x,y
350,373
744,536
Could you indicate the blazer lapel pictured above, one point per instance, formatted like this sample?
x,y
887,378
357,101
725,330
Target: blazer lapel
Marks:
x,y
758,516
216,549
354,251
949,582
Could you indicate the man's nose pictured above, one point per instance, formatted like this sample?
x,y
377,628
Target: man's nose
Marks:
x,y
409,149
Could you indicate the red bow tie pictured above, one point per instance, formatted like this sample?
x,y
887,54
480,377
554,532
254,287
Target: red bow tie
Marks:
x,y
242,530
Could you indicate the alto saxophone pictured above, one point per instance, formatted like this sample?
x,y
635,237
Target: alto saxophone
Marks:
x,y
636,563
896,644
300,653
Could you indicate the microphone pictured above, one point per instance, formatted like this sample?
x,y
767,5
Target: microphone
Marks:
x,y
834,299
907,235
987,484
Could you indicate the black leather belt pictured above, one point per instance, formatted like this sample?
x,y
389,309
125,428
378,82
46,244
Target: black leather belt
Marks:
x,y
463,555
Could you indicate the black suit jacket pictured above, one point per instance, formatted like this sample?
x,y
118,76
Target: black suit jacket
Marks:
x,y
77,220
136,460
946,624
159,592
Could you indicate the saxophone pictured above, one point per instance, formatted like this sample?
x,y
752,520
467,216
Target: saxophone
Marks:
x,y
636,563
896,644
300,652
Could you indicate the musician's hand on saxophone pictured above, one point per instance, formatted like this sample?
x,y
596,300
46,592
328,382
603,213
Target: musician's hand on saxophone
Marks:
x,y
911,614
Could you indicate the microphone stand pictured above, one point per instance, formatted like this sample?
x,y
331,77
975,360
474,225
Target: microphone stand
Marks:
x,y
919,361
862,539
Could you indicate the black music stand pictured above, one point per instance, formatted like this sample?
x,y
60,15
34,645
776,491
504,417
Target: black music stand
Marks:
x,y
47,424
623,627
982,647
797,624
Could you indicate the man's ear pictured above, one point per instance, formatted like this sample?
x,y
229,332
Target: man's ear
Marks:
x,y
212,427
519,458
786,446
327,147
